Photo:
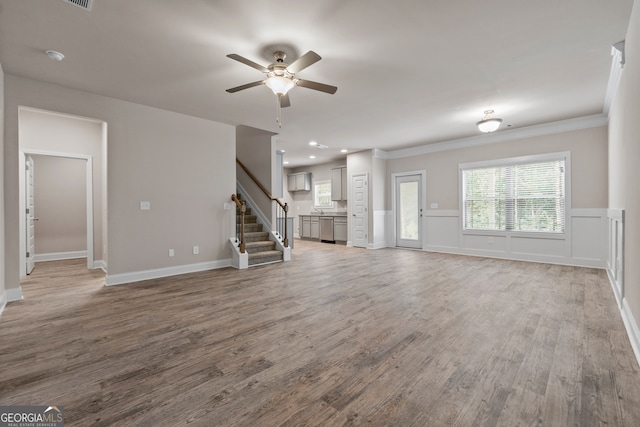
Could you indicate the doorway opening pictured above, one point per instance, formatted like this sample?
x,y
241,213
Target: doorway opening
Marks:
x,y
68,148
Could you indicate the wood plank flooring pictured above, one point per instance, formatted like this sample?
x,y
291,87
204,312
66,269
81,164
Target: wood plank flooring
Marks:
x,y
337,337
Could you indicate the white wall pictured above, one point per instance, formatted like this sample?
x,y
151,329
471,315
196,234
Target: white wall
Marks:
x,y
184,166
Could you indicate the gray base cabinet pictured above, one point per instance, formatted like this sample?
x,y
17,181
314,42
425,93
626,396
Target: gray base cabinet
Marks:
x,y
329,228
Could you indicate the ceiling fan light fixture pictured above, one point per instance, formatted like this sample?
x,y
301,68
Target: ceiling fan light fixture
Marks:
x,y
280,85
488,123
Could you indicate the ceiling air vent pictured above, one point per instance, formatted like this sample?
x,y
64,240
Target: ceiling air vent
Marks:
x,y
85,4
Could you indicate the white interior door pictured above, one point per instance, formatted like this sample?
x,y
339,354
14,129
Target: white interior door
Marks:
x,y
30,214
359,210
408,209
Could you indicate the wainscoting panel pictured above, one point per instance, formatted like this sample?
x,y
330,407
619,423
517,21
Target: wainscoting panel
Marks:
x,y
615,253
533,245
585,243
589,235
442,230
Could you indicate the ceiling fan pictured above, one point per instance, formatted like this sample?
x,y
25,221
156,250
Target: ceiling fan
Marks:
x,y
281,77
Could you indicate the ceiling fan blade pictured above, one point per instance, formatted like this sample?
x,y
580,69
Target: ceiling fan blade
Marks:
x,y
247,86
285,101
317,86
248,62
303,62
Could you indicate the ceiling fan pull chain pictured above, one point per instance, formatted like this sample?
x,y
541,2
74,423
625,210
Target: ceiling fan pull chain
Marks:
x,y
278,121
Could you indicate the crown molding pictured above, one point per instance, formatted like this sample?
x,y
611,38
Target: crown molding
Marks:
x,y
586,122
617,67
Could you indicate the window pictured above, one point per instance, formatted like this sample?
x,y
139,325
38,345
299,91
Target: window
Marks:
x,y
525,194
322,194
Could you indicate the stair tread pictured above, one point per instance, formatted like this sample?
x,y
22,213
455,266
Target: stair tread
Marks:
x,y
265,254
261,243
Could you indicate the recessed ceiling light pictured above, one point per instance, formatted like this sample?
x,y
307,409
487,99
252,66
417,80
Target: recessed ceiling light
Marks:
x,y
312,157
285,162
313,143
55,55
344,150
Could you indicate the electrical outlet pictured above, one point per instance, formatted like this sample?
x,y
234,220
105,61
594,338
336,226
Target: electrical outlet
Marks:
x,y
196,250
171,252
145,205
491,240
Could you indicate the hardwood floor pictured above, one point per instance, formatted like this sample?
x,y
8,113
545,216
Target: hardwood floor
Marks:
x,y
339,336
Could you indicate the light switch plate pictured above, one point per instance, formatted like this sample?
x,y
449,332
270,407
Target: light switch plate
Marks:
x,y
145,206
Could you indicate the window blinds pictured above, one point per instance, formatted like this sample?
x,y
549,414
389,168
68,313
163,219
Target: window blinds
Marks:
x,y
518,197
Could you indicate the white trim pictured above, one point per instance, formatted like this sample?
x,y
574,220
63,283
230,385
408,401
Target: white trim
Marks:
x,y
631,326
13,294
535,158
3,303
615,75
547,248
89,202
100,264
58,256
137,276
423,206
586,122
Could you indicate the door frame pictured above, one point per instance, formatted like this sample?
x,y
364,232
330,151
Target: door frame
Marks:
x,y
423,204
22,205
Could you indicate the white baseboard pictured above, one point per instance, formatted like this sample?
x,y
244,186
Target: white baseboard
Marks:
x,y
13,294
100,264
631,326
137,276
58,256
3,302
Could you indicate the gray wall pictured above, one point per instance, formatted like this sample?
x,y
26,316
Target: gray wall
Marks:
x,y
624,153
256,150
185,166
3,296
52,132
60,205
588,165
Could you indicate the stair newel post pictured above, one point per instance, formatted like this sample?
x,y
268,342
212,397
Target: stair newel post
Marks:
x,y
243,209
286,240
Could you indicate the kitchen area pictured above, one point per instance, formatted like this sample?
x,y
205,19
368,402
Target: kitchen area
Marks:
x,y
318,202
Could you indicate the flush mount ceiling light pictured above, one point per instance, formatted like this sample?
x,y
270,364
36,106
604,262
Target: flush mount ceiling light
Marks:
x,y
488,123
55,55
320,146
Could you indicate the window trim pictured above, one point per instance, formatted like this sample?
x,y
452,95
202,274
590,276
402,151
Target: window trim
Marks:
x,y
512,161
329,206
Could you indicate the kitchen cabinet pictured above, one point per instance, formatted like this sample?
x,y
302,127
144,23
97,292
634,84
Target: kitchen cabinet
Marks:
x,y
315,227
305,227
299,181
340,228
339,183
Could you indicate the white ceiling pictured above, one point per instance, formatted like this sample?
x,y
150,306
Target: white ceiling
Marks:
x,y
409,72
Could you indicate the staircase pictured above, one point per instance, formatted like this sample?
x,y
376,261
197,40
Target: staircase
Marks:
x,y
260,249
